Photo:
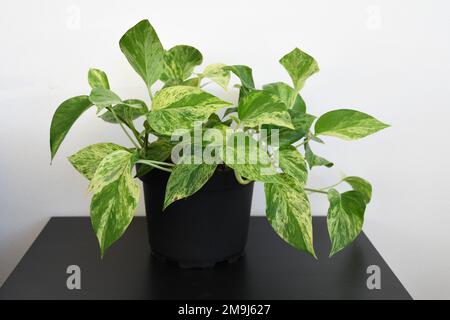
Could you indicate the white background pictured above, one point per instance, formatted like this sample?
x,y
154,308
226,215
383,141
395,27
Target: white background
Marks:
x,y
387,58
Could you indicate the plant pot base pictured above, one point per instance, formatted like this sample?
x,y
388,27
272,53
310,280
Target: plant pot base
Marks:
x,y
197,264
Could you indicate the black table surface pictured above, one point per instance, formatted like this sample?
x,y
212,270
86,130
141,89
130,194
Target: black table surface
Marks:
x,y
270,269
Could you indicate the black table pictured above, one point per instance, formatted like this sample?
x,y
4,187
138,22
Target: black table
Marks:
x,y
269,270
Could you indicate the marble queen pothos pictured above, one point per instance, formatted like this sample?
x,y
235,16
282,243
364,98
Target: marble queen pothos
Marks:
x,y
181,102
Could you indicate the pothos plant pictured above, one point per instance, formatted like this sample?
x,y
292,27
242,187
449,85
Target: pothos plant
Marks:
x,y
181,102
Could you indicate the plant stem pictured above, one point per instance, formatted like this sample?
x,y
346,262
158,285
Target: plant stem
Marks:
x,y
240,179
315,190
123,128
150,93
132,128
152,164
162,163
303,143
332,186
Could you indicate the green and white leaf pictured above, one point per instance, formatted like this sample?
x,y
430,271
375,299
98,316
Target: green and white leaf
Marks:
x,y
345,218
88,159
126,112
143,50
289,213
63,119
244,73
348,124
243,154
293,164
179,63
360,185
187,179
111,168
98,79
217,73
300,67
113,208
302,123
103,98
180,106
288,95
259,107
314,160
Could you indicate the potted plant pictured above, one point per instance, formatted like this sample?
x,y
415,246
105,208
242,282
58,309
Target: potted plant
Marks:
x,y
198,155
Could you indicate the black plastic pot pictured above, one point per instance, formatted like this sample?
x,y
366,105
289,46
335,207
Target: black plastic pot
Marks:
x,y
208,227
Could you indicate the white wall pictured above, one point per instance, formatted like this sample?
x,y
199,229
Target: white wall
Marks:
x,y
387,58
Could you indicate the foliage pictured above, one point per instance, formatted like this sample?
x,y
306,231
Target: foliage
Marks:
x,y
277,112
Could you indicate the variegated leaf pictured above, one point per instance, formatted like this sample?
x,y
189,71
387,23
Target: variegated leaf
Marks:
x,y
63,119
87,159
300,67
111,168
293,164
302,123
362,186
314,160
113,207
348,124
98,79
103,98
288,95
217,73
244,74
289,213
187,179
126,112
143,50
345,218
259,107
179,62
249,160
180,106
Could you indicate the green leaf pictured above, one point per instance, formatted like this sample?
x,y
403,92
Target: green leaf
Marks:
x,y
259,107
110,169
104,97
63,119
345,218
87,159
180,106
179,62
192,82
244,74
230,111
187,179
314,160
289,213
124,111
98,79
158,150
217,73
288,95
348,124
113,207
243,154
301,121
362,186
143,50
293,164
300,67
